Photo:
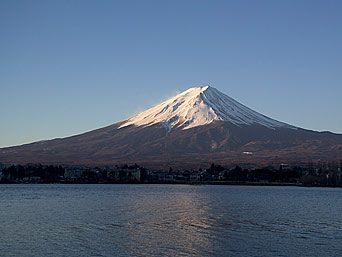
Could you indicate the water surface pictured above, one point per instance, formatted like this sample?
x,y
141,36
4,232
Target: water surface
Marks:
x,y
169,220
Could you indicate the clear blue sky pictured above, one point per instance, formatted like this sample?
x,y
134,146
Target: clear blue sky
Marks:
x,y
68,67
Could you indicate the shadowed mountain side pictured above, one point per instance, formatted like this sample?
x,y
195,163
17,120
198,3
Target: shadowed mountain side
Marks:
x,y
219,141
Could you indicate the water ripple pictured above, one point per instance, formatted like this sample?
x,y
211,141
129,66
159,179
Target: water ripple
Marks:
x,y
169,220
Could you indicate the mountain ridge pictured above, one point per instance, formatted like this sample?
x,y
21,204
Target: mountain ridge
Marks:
x,y
157,139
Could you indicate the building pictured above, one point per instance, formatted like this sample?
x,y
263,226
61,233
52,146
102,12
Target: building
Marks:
x,y
75,172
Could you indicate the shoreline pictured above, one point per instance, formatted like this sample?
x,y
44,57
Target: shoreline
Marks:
x,y
211,183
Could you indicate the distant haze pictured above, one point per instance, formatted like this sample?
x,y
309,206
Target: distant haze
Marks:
x,y
68,67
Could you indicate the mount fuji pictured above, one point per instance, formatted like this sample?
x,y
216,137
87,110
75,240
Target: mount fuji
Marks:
x,y
193,129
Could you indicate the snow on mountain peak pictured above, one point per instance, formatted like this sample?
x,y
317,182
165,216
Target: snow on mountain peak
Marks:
x,y
200,106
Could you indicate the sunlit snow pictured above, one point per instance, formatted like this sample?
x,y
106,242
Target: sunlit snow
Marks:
x,y
200,106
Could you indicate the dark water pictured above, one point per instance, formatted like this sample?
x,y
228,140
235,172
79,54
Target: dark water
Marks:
x,y
169,220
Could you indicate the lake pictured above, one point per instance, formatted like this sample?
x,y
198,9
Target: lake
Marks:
x,y
169,220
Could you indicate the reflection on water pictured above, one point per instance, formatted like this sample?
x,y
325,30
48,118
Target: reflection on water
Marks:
x,y
171,220
178,223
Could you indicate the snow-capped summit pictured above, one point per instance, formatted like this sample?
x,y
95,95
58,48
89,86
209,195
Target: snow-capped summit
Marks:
x,y
199,106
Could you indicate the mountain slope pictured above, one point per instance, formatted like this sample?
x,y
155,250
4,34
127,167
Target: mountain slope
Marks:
x,y
194,128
